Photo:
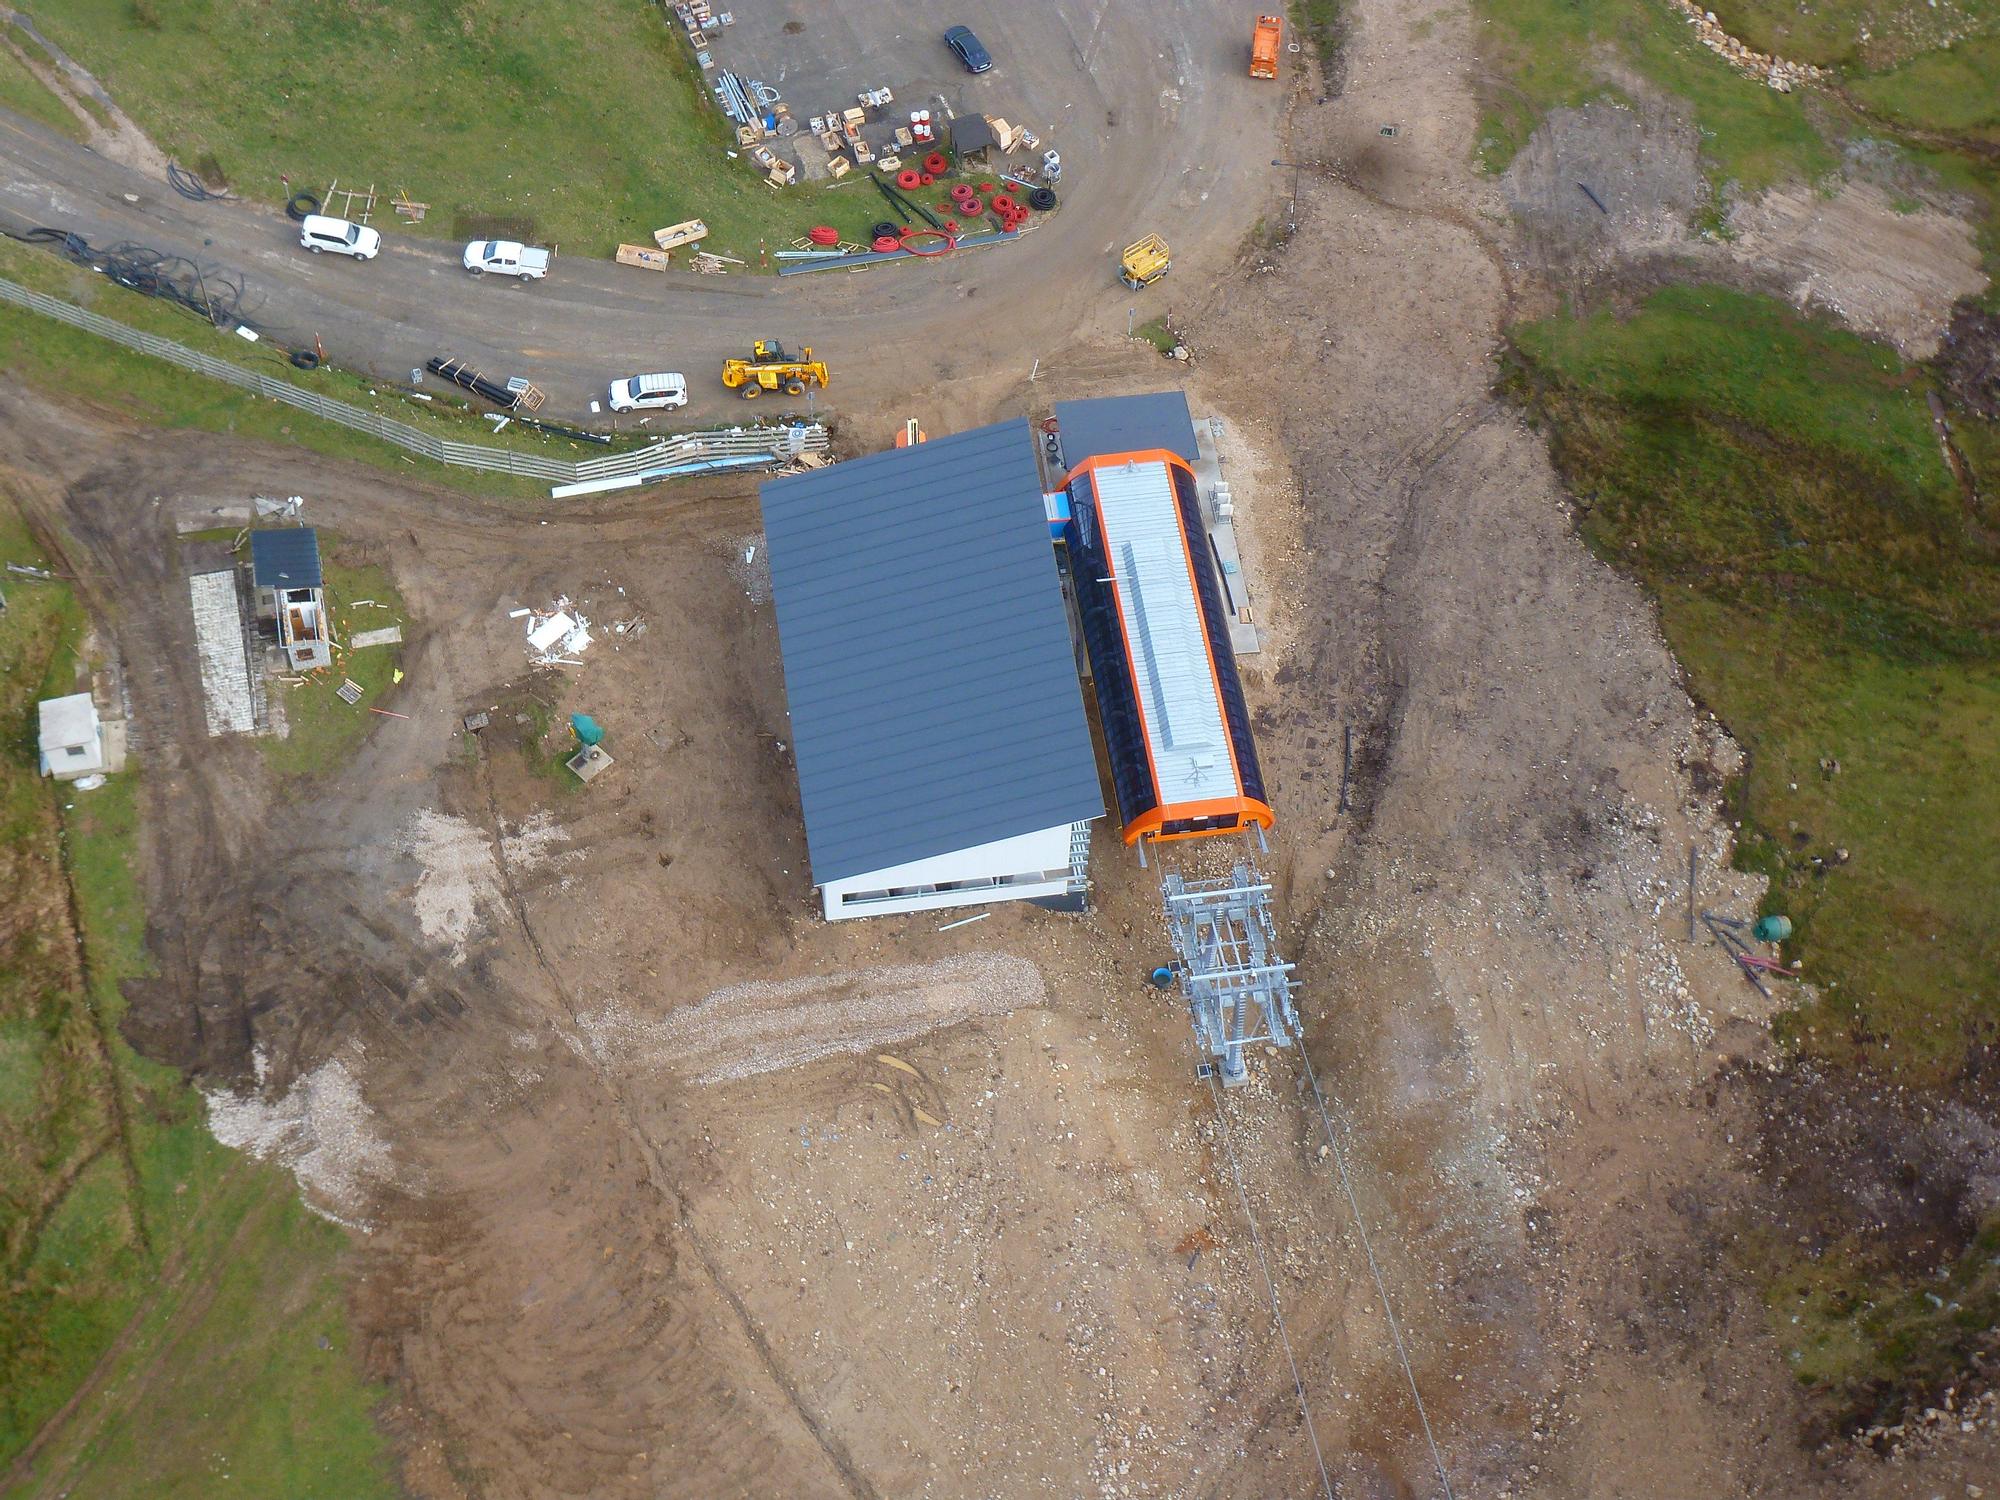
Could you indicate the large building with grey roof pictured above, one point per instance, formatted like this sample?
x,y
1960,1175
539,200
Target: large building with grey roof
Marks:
x,y
938,725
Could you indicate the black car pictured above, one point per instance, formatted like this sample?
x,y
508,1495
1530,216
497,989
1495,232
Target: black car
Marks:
x,y
969,49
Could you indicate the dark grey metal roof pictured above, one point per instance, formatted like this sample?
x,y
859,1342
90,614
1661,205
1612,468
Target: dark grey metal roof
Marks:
x,y
285,559
1125,424
933,688
972,133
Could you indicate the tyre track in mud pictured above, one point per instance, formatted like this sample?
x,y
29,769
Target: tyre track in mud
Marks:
x,y
668,1191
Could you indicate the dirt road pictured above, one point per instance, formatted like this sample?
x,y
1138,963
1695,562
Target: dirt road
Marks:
x,y
670,1189
1161,129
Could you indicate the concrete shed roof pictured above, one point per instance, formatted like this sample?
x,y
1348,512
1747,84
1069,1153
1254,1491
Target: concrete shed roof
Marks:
x,y
933,688
70,720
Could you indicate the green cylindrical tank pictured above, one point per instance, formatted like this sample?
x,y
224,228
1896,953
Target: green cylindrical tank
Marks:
x,y
1772,929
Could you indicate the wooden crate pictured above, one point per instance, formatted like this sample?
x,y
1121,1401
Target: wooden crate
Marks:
x,y
640,255
676,235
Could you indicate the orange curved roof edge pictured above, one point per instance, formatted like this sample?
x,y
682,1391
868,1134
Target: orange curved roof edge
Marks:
x,y
1248,811
1137,456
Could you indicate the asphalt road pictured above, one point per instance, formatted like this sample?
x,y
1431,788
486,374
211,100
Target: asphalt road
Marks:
x,y
1160,129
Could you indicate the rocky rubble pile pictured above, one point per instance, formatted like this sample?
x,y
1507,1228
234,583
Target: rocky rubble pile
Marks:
x,y
1775,71
1914,1433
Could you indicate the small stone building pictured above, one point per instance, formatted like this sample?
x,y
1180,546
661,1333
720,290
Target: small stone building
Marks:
x,y
72,739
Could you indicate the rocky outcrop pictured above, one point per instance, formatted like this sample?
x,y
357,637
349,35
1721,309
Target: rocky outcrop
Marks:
x,y
1774,71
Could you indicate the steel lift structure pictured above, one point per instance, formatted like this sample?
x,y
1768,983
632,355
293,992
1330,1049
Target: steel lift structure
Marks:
x,y
1238,987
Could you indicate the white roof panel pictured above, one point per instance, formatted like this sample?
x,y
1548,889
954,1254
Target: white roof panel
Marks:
x,y
1171,672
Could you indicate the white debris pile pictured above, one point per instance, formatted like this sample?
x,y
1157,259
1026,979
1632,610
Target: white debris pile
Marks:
x,y
558,635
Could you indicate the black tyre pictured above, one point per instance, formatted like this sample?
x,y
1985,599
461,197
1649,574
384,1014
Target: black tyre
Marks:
x,y
795,387
752,391
304,359
301,204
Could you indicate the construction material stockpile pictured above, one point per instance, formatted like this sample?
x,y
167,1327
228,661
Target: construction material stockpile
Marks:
x,y
462,375
952,227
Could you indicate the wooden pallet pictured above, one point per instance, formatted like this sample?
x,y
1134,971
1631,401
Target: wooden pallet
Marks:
x,y
350,196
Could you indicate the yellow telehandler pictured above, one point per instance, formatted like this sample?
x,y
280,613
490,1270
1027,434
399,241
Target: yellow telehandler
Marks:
x,y
770,368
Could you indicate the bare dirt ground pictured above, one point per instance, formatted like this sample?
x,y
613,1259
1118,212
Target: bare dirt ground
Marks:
x,y
671,1190
1874,246
1888,270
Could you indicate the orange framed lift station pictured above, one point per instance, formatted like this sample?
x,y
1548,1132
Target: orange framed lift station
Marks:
x,y
1183,764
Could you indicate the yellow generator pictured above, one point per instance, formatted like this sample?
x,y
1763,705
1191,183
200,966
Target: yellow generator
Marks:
x,y
770,368
1145,262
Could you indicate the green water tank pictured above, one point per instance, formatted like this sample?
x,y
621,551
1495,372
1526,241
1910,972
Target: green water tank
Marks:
x,y
1772,929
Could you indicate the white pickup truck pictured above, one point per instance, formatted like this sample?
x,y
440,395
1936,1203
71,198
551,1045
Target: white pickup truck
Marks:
x,y
506,258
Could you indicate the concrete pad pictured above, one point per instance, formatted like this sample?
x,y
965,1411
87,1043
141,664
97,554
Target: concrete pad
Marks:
x,y
1208,473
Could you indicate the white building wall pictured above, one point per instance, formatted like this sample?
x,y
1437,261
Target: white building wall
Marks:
x,y
973,872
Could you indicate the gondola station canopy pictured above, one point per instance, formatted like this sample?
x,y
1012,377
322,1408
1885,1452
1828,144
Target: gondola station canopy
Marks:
x,y
1183,763
944,757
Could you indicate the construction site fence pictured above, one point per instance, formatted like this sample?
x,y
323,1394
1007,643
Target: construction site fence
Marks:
x,y
778,443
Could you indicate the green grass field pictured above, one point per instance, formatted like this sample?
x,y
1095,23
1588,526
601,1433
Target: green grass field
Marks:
x,y
1955,89
445,416
1834,598
25,94
1831,32
185,1285
325,730
1778,486
585,125
1859,1329
75,365
1549,53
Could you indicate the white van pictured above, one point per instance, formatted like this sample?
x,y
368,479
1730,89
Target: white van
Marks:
x,y
317,232
649,392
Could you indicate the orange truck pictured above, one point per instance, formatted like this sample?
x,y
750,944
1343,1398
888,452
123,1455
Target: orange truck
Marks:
x,y
1264,47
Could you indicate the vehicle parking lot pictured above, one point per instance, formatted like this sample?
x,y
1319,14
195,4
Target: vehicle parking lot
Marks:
x,y
821,58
